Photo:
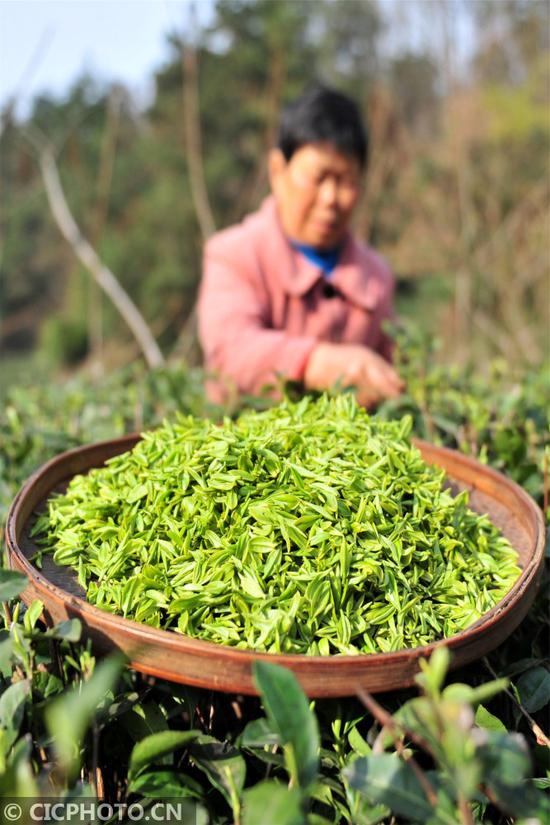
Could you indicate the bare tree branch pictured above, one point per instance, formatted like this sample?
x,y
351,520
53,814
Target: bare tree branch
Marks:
x,y
88,256
105,176
193,143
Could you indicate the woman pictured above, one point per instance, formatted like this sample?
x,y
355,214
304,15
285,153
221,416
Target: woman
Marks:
x,y
290,293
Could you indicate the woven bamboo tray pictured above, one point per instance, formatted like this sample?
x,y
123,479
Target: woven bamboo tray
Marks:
x,y
170,655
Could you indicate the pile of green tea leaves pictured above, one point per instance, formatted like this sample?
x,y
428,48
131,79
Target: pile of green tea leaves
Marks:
x,y
308,528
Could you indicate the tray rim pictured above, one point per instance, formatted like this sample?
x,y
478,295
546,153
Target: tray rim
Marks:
x,y
176,642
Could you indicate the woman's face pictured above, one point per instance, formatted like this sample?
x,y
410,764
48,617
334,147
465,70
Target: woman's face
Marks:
x,y
315,191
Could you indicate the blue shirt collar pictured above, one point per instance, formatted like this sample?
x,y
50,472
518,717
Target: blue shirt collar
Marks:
x,y
325,259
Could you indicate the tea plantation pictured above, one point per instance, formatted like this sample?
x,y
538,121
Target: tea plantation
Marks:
x,y
471,746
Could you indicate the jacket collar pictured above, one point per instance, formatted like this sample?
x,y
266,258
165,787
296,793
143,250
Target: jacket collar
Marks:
x,y
298,275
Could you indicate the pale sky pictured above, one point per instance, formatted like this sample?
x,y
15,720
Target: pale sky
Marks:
x,y
46,44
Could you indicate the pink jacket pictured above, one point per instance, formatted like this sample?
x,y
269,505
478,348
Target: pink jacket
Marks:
x,y
262,307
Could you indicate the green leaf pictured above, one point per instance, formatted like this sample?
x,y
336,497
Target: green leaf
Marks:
x,y
157,745
46,684
358,744
12,584
506,763
258,734
165,784
17,777
271,803
223,764
385,779
534,689
33,613
68,716
68,631
288,711
486,720
417,716
137,493
434,671
364,812
6,656
458,692
143,719
12,708
523,800
520,666
506,758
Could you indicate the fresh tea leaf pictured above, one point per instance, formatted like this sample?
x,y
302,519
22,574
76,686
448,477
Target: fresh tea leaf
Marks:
x,y
387,780
288,710
12,707
272,803
68,716
534,689
308,528
156,746
69,631
12,584
223,764
486,720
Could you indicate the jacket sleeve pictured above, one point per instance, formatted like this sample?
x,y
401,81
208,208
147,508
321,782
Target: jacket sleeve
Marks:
x,y
234,332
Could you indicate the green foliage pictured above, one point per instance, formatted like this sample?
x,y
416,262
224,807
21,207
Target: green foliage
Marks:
x,y
479,741
500,417
289,714
39,422
70,715
456,188
11,584
65,342
467,199
251,517
272,803
472,764
154,747
534,688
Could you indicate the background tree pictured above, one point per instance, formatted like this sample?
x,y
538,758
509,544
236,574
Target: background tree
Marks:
x,y
456,194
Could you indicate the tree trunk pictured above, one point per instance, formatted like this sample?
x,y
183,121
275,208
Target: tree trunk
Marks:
x,y
89,258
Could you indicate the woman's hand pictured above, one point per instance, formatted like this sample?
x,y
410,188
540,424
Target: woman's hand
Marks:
x,y
353,365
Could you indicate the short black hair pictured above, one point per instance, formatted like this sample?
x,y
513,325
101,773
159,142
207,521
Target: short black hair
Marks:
x,y
322,114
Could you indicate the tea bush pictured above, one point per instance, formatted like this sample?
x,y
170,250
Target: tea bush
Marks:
x,y
471,751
